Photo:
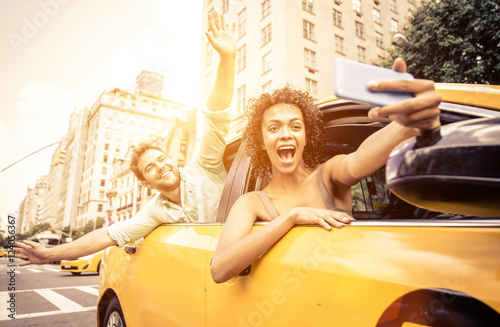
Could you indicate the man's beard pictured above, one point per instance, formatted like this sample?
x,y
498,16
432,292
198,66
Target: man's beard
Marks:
x,y
170,185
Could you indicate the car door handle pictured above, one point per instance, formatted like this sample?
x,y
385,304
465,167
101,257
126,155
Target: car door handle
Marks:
x,y
246,272
130,249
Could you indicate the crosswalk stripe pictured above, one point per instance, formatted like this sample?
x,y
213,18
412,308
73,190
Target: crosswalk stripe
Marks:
x,y
52,288
62,302
45,313
4,312
34,270
88,289
52,269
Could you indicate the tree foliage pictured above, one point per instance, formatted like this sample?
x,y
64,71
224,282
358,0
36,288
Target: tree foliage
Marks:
x,y
453,41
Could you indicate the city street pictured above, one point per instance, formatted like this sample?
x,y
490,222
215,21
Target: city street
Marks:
x,y
45,296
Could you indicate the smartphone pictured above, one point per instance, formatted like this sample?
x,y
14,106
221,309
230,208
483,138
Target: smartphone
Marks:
x,y
350,81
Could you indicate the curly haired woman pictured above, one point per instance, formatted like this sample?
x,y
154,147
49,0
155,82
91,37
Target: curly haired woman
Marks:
x,y
284,137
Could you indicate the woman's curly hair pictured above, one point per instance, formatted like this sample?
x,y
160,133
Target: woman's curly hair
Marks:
x,y
313,121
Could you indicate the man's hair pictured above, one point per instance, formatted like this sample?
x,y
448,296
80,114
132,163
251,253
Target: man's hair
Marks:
x,y
137,151
314,127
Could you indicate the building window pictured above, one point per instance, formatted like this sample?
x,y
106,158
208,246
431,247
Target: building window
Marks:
x,y
337,18
361,54
242,23
359,30
99,208
379,39
392,5
183,146
307,5
310,58
105,158
208,54
108,135
394,25
266,62
117,150
266,34
308,30
312,87
356,5
266,88
225,6
104,171
103,182
101,195
266,8
376,15
339,44
118,136
242,57
106,146
242,99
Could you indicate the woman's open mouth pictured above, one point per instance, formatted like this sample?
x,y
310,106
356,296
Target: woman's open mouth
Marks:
x,y
286,153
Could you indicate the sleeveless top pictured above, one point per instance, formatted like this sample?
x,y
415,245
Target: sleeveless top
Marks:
x,y
325,196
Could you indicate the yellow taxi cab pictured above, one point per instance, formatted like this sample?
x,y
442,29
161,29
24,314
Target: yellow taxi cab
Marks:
x,y
428,261
88,263
3,252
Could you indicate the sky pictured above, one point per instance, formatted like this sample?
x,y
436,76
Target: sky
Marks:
x,y
58,55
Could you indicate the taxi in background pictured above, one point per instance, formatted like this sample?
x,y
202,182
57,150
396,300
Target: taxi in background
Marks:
x,y
432,260
88,263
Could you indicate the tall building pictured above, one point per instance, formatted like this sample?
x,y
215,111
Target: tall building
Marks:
x,y
21,214
30,207
295,42
116,121
59,204
71,158
51,202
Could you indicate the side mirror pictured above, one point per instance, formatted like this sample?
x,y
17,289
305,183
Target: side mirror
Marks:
x,y
459,173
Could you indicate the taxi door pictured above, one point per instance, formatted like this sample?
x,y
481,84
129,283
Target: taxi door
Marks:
x,y
174,257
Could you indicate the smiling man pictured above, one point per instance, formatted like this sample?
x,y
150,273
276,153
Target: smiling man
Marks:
x,y
184,195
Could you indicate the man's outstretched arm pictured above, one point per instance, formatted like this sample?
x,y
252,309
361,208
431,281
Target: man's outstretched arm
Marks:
x,y
224,43
90,243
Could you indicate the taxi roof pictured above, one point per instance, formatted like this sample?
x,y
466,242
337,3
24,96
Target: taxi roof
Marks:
x,y
480,95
